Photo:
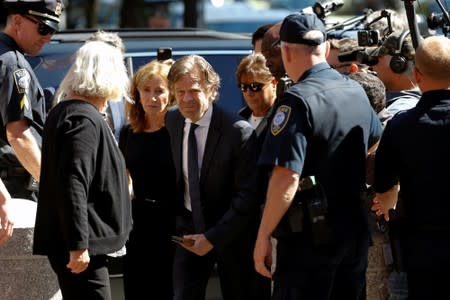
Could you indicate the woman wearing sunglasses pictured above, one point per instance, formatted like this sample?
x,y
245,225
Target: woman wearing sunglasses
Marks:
x,y
259,88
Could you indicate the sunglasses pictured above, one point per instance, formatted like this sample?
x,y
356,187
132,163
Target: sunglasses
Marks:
x,y
254,87
42,28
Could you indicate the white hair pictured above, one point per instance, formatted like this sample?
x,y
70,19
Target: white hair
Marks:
x,y
98,71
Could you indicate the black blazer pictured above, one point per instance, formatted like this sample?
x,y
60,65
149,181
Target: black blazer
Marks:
x,y
261,129
228,174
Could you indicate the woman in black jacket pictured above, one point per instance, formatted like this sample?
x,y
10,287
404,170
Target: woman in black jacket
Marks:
x,y
83,210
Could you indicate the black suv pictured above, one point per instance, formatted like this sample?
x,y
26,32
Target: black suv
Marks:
x,y
222,50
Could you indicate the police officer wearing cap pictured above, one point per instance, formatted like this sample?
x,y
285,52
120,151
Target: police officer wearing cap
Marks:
x,y
316,148
29,26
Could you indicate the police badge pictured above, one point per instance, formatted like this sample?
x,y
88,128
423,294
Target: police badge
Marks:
x,y
280,119
22,79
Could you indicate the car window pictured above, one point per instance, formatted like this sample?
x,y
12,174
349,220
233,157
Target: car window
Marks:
x,y
51,66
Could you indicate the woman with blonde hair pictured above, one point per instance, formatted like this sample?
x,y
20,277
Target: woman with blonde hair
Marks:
x,y
146,148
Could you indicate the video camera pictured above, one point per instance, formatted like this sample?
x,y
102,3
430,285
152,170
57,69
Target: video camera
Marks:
x,y
360,54
368,38
441,20
435,21
324,7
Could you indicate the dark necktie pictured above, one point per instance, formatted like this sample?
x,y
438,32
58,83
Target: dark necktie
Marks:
x,y
194,185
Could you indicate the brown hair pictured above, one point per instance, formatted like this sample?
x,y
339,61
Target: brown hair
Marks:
x,y
254,64
191,63
135,112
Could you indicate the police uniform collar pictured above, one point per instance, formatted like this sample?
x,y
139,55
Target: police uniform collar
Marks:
x,y
10,42
314,69
431,98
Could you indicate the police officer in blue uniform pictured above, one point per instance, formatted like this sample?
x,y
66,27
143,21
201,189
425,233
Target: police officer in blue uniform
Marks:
x,y
316,148
29,26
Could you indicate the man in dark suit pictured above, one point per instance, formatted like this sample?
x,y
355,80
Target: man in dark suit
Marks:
x,y
218,212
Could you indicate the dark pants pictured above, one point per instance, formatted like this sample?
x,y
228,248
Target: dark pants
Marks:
x,y
150,251
262,289
92,284
427,263
234,266
305,272
427,284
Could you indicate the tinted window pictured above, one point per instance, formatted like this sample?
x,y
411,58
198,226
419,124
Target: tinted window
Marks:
x,y
52,65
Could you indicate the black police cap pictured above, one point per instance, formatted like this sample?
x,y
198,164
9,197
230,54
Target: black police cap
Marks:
x,y
295,26
48,11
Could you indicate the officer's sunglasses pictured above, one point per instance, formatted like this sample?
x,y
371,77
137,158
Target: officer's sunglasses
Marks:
x,y
254,87
42,28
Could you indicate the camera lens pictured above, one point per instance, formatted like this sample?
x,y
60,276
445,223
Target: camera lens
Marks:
x,y
435,20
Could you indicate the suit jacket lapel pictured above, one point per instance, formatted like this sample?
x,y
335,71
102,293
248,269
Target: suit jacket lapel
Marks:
x,y
212,140
178,146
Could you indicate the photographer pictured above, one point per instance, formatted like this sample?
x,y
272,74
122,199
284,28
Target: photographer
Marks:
x,y
395,61
343,56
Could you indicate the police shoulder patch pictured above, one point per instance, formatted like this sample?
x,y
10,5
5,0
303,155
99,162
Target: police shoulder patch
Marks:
x,y
280,119
22,79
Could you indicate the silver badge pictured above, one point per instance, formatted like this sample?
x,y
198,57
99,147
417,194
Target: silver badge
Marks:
x,y
22,79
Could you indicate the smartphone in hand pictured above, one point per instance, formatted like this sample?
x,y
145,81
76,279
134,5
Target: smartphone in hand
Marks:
x,y
183,241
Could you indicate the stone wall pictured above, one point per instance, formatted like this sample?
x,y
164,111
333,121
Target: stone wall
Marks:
x,y
24,276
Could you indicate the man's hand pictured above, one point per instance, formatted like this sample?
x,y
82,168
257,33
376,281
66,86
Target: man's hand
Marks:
x,y
79,260
201,246
6,223
262,256
385,201
283,185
